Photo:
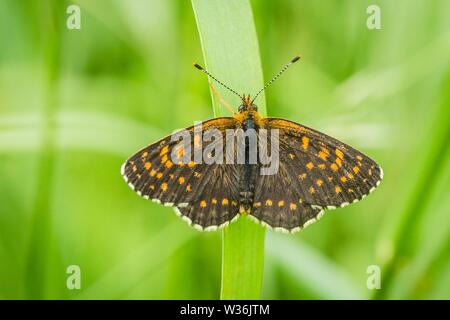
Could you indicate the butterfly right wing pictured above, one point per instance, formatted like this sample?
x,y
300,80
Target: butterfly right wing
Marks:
x,y
205,195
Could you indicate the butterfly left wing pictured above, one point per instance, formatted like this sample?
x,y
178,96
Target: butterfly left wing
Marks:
x,y
205,195
328,173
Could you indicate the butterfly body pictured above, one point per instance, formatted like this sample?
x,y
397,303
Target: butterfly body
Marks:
x,y
249,176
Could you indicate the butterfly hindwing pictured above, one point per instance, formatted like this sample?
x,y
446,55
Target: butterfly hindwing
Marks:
x,y
205,194
323,170
217,204
279,206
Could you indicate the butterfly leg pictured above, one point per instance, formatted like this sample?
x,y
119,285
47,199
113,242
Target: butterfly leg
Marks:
x,y
221,100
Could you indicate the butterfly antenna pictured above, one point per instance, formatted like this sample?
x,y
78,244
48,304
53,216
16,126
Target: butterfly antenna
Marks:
x,y
199,67
293,60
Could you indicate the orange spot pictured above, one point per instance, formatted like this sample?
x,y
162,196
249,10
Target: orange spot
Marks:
x,y
349,175
164,151
213,201
164,158
302,176
337,189
159,175
350,190
355,169
181,164
312,190
269,203
359,158
197,174
310,165
202,204
152,187
334,167
181,180
152,173
323,155
343,179
319,182
188,188
147,165
191,164
169,164
171,176
257,204
180,152
164,186
224,201
292,206
144,154
134,168
281,203
339,162
339,154
322,166
305,142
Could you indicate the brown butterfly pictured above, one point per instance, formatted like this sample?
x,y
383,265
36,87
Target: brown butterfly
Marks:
x,y
315,172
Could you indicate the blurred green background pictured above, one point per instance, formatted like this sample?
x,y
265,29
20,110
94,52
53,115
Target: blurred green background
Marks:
x,y
74,104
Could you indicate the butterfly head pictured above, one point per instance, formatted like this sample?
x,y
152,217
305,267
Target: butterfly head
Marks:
x,y
247,104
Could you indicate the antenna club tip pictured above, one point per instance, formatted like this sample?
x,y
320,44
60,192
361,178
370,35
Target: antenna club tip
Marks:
x,y
296,58
196,65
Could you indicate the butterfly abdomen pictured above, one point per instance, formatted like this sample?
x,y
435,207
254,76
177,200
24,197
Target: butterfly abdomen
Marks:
x,y
249,171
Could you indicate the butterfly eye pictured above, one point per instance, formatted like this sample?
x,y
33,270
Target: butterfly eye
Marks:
x,y
241,108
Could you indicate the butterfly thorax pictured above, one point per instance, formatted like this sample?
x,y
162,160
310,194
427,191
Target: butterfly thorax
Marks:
x,y
248,110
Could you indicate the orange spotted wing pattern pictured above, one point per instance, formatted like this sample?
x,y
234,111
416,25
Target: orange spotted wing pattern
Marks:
x,y
316,172
279,206
328,173
204,195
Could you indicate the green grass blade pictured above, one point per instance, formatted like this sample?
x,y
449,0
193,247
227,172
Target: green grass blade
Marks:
x,y
311,271
405,239
231,52
40,241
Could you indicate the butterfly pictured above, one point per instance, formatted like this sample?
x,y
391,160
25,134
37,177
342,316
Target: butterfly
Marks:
x,y
315,172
